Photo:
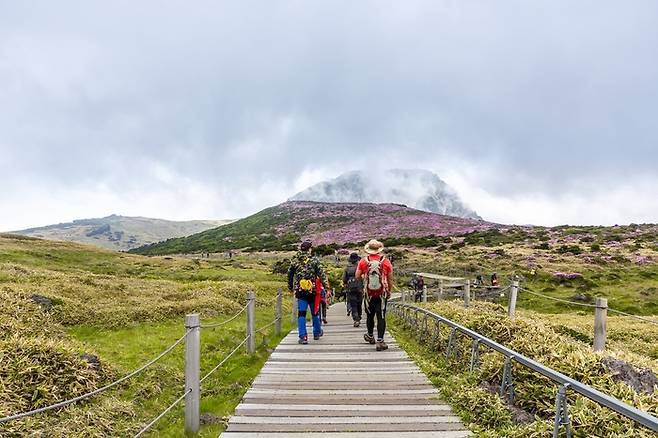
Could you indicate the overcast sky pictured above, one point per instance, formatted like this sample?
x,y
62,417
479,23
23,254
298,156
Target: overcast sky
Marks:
x,y
540,112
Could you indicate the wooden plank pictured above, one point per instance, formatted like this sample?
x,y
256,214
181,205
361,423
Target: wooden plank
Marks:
x,y
340,387
350,427
431,434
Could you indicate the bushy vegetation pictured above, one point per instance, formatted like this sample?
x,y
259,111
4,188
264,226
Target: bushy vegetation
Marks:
x,y
73,318
472,394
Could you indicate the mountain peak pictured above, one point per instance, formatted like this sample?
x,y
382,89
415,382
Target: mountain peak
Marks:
x,y
416,188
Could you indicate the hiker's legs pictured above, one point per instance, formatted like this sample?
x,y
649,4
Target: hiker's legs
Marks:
x,y
381,319
378,310
323,307
356,310
317,325
370,316
302,306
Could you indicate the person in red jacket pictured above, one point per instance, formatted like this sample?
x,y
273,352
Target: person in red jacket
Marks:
x,y
376,271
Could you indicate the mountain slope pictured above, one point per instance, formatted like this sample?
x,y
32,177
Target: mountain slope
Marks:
x,y
283,226
416,188
119,232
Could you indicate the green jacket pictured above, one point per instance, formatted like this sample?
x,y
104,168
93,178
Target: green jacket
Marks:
x,y
305,261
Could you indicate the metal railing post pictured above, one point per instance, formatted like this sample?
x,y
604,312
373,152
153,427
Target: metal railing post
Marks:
x,y
251,322
600,315
424,294
192,373
513,293
441,289
467,293
277,312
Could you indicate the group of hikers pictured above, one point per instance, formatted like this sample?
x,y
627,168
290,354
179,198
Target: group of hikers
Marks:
x,y
367,282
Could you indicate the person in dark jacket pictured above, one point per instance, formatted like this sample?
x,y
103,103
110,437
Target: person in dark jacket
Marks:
x,y
353,289
304,270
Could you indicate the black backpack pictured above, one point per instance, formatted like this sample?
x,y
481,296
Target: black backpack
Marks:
x,y
353,284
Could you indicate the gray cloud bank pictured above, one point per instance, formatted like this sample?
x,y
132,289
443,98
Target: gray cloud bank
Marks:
x,y
216,109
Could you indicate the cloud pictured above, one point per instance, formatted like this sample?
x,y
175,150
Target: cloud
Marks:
x,y
546,101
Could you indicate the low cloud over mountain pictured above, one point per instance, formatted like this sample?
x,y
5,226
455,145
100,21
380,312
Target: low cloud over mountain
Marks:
x,y
416,188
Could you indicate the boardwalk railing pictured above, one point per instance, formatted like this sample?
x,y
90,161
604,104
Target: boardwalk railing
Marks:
x,y
405,312
600,306
192,390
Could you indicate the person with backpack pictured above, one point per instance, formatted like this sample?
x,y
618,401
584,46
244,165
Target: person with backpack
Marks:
x,y
376,272
353,289
419,286
304,270
321,300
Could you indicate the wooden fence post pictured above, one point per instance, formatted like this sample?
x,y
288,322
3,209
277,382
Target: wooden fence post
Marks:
x,y
467,293
424,294
251,322
192,373
600,315
277,312
513,293
440,288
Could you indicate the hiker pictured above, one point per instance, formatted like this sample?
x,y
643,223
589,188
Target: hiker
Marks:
x,y
321,299
304,270
376,272
353,289
420,284
494,279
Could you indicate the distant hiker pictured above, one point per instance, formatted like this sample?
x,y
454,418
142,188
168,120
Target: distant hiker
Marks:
x,y
304,270
321,299
494,279
376,272
479,281
353,289
418,287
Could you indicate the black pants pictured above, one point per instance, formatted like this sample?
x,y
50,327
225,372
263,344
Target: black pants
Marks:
x,y
376,306
323,310
357,309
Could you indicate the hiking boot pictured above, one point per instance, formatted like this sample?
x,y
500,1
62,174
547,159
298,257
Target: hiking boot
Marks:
x,y
318,336
370,339
324,321
381,345
357,323
303,340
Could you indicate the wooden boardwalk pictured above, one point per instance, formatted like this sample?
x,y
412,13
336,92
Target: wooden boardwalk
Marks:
x,y
340,387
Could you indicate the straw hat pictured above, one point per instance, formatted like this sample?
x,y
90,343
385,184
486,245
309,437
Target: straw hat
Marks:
x,y
374,247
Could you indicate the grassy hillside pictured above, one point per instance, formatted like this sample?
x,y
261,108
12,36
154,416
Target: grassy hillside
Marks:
x,y
281,227
474,395
120,232
571,263
60,301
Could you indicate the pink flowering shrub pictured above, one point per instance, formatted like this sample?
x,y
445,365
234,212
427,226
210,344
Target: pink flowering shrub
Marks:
x,y
567,275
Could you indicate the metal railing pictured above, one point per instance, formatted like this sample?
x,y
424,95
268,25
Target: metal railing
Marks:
x,y
193,380
566,383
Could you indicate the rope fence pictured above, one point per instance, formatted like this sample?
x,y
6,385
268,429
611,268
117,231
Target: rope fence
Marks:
x,y
262,329
223,361
560,300
219,324
192,340
162,414
99,390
